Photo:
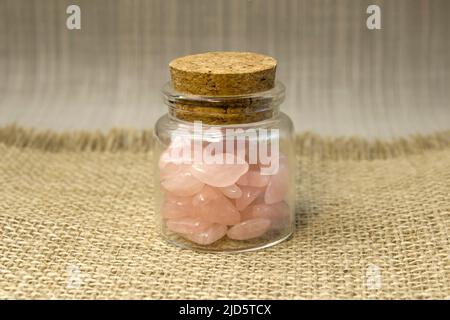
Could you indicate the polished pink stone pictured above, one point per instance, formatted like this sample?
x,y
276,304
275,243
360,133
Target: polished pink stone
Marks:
x,y
249,229
182,182
243,180
232,192
249,194
277,213
188,225
219,210
177,207
205,195
219,175
253,178
170,169
278,186
208,236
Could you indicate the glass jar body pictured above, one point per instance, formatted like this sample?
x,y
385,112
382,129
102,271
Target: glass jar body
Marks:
x,y
225,187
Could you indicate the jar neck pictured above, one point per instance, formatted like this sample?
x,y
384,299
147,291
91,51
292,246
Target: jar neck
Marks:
x,y
224,110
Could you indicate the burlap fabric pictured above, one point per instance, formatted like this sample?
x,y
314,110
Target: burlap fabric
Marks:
x,y
76,221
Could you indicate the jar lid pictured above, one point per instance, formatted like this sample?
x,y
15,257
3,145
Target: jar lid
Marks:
x,y
223,73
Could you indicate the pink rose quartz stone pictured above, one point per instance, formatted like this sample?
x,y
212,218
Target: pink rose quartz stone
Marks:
x,y
249,229
181,182
208,236
177,207
187,225
219,175
203,199
205,195
277,213
249,194
213,207
278,186
219,210
232,192
253,178
169,169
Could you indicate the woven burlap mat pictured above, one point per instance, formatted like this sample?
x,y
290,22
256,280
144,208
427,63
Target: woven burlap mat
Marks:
x,y
76,221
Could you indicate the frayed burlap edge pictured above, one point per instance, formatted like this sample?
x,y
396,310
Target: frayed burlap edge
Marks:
x,y
79,140
308,143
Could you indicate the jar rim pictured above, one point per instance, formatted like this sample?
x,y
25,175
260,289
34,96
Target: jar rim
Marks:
x,y
274,96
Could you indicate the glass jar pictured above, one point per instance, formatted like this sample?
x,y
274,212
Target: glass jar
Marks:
x,y
224,154
225,185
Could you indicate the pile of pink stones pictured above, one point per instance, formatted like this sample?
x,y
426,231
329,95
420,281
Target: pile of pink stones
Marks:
x,y
205,202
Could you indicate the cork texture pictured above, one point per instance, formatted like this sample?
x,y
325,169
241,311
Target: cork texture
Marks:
x,y
223,73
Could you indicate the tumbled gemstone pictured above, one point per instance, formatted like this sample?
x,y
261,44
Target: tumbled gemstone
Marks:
x,y
219,210
248,195
220,175
278,186
243,180
277,213
249,229
253,178
232,192
205,195
188,225
208,236
182,183
170,169
177,207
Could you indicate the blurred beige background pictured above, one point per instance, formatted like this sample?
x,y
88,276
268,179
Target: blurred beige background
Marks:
x,y
342,79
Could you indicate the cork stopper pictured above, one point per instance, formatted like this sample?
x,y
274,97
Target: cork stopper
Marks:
x,y
223,73
235,78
